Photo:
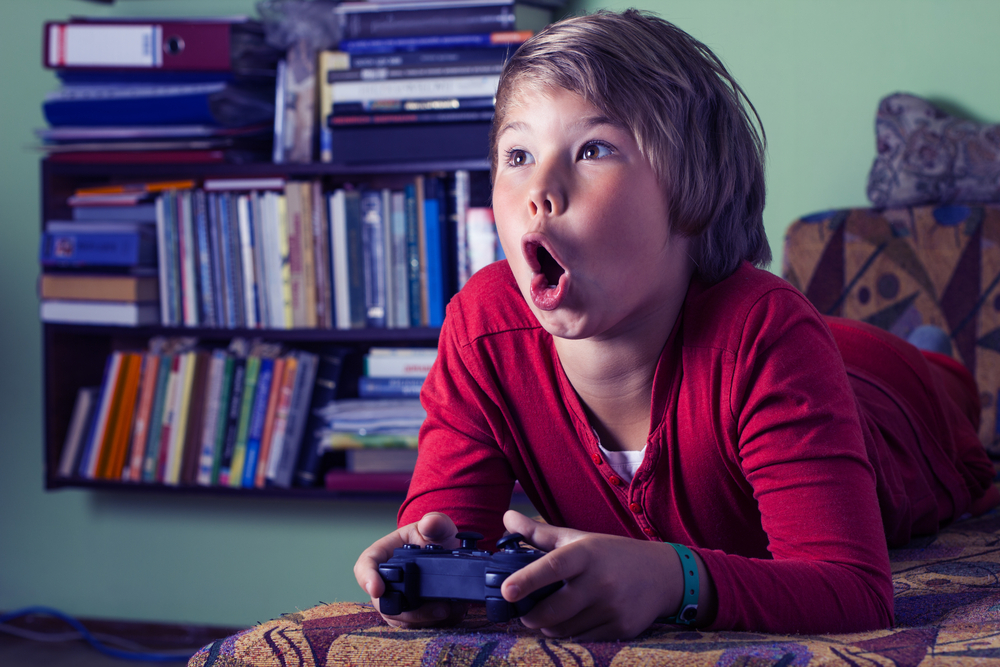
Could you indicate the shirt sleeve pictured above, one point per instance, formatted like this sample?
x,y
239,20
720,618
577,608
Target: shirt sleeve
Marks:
x,y
461,469
802,449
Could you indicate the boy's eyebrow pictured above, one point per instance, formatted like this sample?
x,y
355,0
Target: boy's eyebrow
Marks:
x,y
586,122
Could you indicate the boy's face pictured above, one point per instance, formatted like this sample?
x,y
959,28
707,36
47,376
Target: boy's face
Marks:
x,y
583,219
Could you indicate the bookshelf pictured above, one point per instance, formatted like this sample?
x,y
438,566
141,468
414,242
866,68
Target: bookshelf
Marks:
x,y
74,354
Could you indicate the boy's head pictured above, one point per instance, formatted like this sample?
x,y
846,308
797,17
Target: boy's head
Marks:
x,y
685,110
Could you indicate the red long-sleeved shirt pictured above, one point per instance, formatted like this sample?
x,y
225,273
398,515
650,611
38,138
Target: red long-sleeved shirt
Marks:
x,y
762,454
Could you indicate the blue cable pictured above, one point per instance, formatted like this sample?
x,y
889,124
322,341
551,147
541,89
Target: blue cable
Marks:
x,y
90,639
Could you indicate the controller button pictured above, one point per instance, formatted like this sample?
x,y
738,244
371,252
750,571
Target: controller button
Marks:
x,y
494,579
597,459
434,547
411,546
390,573
636,508
498,610
615,481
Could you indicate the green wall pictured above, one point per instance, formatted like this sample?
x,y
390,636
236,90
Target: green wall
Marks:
x,y
815,71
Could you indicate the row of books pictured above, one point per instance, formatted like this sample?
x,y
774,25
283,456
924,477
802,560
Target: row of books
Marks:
x,y
265,253
411,79
250,416
135,90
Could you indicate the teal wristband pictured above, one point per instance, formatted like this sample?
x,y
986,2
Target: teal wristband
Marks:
x,y
688,611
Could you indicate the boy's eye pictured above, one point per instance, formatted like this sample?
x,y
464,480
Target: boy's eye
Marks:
x,y
595,150
517,157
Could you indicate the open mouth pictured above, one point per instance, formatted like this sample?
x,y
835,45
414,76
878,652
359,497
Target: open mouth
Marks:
x,y
549,267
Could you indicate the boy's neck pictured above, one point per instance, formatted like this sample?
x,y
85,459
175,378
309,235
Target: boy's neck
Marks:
x,y
614,377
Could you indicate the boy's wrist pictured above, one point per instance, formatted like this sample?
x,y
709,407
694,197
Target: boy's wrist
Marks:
x,y
687,612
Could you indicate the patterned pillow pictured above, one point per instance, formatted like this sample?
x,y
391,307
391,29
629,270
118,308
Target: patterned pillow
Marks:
x,y
926,156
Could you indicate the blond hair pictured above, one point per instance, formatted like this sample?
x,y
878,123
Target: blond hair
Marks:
x,y
691,119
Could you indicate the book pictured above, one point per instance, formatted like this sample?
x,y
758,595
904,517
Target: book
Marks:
x,y
410,118
339,274
279,425
256,422
83,411
399,362
326,384
435,205
387,459
98,287
215,393
354,245
145,212
376,63
118,313
105,438
293,441
416,42
267,431
192,44
93,249
373,257
151,458
389,387
399,267
491,66
321,251
113,455
232,420
253,364
248,271
413,193
368,144
175,421
143,415
197,411
187,255
207,313
380,19
433,88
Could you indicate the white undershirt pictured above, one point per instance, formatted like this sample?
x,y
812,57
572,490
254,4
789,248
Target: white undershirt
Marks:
x,y
624,463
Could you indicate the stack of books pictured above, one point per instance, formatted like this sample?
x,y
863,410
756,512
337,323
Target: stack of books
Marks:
x,y
182,415
100,266
134,90
415,80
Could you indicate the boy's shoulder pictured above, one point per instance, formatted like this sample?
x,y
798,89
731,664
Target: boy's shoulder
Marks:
x,y
490,303
717,311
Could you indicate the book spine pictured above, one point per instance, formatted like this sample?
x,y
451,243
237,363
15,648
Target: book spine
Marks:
x,y
456,18
219,440
321,376
408,118
190,289
125,419
126,249
243,425
247,272
88,465
430,70
415,42
179,419
321,235
280,451
388,107
259,262
151,458
235,258
400,264
373,255
403,60
215,238
355,258
389,387
388,257
267,434
258,416
339,274
434,214
413,253
206,298
308,254
83,409
286,267
206,450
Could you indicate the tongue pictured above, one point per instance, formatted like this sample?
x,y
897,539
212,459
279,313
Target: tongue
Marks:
x,y
550,267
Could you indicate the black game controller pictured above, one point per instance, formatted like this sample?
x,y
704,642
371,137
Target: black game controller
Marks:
x,y
414,575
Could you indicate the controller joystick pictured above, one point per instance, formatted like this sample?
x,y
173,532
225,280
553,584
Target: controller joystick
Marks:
x,y
414,575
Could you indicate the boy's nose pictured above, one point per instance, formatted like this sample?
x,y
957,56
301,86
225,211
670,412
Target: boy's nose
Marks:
x,y
547,195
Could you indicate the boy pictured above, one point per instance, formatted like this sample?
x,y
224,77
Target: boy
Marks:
x,y
682,420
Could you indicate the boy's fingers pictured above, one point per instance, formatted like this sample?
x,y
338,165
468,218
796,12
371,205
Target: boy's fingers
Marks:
x,y
552,567
438,528
544,536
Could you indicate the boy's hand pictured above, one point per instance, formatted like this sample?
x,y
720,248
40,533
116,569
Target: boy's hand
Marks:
x,y
433,528
615,587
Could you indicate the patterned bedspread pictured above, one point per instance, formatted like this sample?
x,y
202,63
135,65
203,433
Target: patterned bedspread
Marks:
x,y
947,613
